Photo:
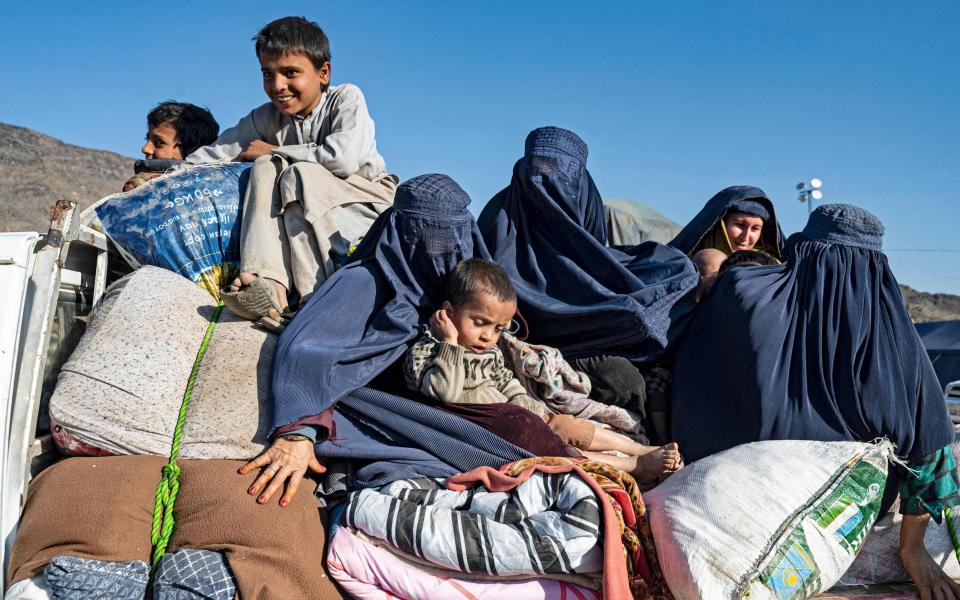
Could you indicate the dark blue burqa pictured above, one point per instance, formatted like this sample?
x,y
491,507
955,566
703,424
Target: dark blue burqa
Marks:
x,y
547,230
362,319
398,438
818,348
771,237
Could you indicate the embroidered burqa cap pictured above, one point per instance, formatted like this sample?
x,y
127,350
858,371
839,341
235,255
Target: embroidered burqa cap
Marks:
x,y
845,224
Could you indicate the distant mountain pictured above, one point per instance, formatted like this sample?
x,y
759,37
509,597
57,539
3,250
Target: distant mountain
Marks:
x,y
926,307
37,170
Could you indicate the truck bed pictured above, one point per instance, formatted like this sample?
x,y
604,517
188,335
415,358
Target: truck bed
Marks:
x,y
60,277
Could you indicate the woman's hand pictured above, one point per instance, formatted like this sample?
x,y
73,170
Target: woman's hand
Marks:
x,y
443,328
932,583
284,460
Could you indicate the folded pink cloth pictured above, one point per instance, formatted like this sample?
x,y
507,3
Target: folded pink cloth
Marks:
x,y
368,572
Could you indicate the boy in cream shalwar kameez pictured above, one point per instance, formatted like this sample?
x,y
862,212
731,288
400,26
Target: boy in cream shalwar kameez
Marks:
x,y
318,182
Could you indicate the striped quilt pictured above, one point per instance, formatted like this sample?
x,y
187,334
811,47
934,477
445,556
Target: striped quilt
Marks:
x,y
549,524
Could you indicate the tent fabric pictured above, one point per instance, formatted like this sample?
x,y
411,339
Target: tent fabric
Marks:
x,y
547,229
818,348
940,336
942,341
690,237
363,318
947,367
631,223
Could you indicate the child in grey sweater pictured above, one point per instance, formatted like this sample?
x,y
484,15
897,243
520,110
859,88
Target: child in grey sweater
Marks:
x,y
458,361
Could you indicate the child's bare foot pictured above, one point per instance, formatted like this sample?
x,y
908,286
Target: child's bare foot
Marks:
x,y
655,463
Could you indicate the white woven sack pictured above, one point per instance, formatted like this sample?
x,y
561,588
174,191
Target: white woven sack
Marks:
x,y
775,519
122,387
879,559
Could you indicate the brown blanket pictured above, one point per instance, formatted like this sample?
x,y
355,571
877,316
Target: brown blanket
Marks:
x,y
102,508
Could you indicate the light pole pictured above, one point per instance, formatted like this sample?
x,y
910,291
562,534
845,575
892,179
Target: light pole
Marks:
x,y
811,193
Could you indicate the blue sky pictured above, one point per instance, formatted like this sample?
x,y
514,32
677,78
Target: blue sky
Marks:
x,y
676,100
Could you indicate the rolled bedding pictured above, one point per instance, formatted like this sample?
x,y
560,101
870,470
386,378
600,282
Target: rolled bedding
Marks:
x,y
121,390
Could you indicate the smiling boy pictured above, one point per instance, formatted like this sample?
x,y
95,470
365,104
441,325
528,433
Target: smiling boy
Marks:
x,y
306,116
294,241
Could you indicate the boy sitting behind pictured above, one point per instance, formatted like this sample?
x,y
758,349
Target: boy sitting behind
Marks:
x,y
306,120
458,361
174,130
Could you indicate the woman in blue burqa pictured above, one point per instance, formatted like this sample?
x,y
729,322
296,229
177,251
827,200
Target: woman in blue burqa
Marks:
x,y
607,311
547,229
822,348
353,329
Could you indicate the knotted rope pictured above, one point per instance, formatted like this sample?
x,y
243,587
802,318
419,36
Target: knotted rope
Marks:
x,y
169,485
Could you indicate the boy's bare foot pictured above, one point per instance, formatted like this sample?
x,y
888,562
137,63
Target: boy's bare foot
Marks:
x,y
244,279
655,463
241,280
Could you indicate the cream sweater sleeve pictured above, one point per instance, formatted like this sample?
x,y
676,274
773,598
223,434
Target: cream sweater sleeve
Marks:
x,y
435,368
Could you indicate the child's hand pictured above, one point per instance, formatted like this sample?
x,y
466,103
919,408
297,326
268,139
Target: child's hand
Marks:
x,y
443,328
256,149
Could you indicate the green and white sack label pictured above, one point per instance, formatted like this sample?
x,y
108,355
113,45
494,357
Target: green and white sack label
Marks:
x,y
841,515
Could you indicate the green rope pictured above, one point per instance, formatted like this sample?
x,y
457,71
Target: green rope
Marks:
x,y
169,485
952,527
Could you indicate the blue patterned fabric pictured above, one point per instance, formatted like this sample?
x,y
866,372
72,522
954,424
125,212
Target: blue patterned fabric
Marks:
x,y
818,348
182,575
194,575
72,578
845,224
547,229
363,318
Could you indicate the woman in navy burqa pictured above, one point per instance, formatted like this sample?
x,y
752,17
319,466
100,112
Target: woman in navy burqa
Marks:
x,y
822,348
547,229
610,313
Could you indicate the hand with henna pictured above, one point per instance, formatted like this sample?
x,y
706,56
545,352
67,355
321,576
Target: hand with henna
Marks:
x,y
284,465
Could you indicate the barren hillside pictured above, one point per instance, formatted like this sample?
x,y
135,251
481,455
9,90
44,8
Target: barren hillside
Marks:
x,y
37,170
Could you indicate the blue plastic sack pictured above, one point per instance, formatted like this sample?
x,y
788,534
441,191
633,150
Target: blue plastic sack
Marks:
x,y
187,221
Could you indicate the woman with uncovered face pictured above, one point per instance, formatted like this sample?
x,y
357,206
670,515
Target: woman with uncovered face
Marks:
x,y
736,218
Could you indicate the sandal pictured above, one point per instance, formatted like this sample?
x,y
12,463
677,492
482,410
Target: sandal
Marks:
x,y
257,301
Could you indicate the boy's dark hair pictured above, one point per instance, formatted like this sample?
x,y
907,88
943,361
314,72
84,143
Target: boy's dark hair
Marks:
x,y
746,258
477,275
195,126
294,34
